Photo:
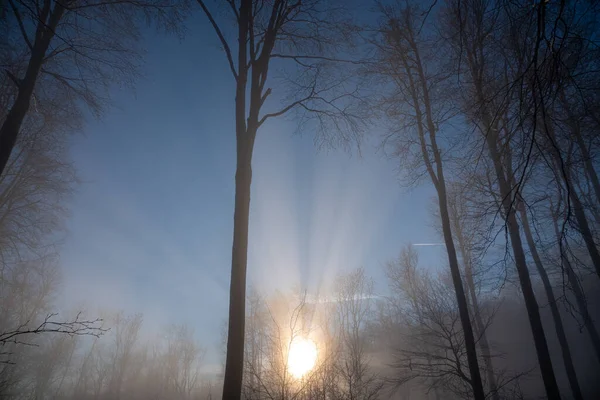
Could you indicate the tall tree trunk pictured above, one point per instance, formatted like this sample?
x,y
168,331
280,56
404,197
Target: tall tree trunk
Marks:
x,y
232,387
245,133
419,83
479,325
578,292
533,311
461,299
558,325
14,119
476,61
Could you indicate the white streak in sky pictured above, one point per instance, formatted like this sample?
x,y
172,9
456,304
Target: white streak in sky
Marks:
x,y
332,299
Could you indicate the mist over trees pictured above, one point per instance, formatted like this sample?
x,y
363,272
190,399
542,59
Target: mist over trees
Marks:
x,y
494,104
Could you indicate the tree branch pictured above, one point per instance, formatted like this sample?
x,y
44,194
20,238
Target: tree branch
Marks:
x,y
77,327
286,109
21,25
221,38
320,58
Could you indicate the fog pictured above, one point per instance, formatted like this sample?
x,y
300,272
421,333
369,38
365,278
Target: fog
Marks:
x,y
313,199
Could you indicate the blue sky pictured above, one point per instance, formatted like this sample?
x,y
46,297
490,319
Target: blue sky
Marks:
x,y
151,225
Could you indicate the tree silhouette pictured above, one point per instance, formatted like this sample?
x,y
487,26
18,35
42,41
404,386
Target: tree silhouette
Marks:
x,y
306,36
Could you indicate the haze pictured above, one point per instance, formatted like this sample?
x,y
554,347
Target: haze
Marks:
x,y
371,200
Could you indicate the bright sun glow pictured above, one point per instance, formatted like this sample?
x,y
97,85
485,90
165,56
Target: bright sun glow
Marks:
x,y
302,357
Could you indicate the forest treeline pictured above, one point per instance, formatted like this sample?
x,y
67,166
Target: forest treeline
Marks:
x,y
493,103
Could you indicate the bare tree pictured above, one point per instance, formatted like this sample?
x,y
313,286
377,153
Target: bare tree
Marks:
x,y
256,322
168,366
562,163
428,346
524,209
465,230
354,297
277,323
53,342
68,54
52,364
415,104
552,302
78,326
432,348
472,27
182,357
574,281
304,37
33,189
125,333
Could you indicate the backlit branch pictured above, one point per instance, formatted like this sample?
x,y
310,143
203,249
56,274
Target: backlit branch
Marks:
x,y
221,37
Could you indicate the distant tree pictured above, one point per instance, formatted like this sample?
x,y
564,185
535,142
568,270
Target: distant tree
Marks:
x,y
40,347
275,323
428,346
27,314
431,348
125,333
256,323
304,38
354,308
183,356
52,364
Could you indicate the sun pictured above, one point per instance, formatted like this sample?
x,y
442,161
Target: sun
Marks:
x,y
302,356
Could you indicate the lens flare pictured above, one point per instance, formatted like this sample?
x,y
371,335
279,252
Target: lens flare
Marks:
x,y
301,357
